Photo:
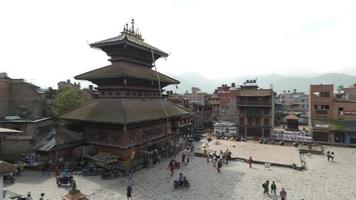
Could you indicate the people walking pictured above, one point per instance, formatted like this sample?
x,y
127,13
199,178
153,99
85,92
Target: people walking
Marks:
x,y
130,173
250,162
171,166
273,187
283,194
57,171
183,157
265,187
332,156
214,158
328,155
207,157
129,192
219,165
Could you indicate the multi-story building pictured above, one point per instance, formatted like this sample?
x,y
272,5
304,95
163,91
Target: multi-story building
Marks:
x,y
255,111
294,101
20,98
332,117
227,102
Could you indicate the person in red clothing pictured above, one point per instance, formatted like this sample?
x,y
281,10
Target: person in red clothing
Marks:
x,y
171,166
57,171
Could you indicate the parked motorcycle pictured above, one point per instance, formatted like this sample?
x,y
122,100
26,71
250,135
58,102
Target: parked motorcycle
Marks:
x,y
64,180
9,179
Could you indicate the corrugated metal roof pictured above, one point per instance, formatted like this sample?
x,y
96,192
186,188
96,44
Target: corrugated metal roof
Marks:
x,y
122,110
124,69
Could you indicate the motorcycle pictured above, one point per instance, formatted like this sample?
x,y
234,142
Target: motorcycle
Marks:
x,y
9,179
181,184
64,180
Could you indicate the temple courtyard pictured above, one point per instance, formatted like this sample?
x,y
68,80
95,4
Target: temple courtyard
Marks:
x,y
321,180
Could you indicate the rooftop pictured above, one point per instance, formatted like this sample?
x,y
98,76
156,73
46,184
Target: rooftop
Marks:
x,y
129,36
254,92
125,69
125,111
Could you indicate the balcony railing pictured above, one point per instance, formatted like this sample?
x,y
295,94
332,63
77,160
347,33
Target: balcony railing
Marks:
x,y
253,103
321,112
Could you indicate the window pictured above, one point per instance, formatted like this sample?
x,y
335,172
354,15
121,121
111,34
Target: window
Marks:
x,y
324,94
242,120
110,93
117,93
266,112
317,94
266,122
324,107
258,121
341,110
249,121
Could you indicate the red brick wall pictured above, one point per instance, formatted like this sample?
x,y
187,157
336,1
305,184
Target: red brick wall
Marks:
x,y
318,101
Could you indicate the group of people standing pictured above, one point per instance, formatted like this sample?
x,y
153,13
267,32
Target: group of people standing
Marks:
x,y
173,164
218,159
266,187
330,156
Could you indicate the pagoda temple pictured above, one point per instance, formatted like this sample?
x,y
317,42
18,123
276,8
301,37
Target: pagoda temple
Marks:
x,y
129,113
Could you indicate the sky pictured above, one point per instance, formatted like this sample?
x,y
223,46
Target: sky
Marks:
x,y
46,42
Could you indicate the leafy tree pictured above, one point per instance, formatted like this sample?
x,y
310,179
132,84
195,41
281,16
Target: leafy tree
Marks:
x,y
68,99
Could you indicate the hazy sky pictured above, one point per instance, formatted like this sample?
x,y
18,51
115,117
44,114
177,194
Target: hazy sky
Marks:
x,y
46,41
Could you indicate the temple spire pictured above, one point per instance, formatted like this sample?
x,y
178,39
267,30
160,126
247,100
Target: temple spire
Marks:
x,y
133,26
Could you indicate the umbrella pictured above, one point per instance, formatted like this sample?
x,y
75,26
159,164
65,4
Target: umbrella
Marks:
x,y
5,168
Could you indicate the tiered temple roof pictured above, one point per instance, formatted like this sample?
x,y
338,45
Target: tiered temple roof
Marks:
x,y
129,87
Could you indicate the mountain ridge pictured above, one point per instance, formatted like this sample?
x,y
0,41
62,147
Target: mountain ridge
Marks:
x,y
278,82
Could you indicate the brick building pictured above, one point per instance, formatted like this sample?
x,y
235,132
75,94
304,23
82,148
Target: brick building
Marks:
x,y
129,115
294,101
20,98
227,102
332,116
255,111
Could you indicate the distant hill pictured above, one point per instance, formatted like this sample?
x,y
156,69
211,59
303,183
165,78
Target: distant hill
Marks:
x,y
278,82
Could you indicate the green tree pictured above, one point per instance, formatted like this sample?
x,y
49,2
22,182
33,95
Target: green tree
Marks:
x,y
68,99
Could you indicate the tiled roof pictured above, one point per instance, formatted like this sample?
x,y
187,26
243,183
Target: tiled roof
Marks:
x,y
126,69
124,110
128,38
254,93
